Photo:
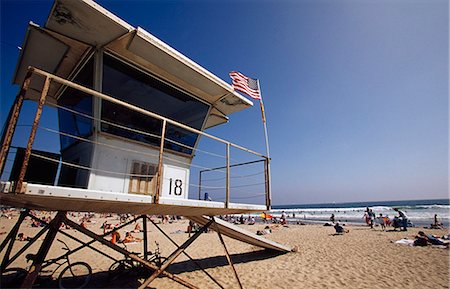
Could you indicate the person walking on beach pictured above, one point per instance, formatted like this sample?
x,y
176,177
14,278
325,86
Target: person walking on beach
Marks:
x,y
371,218
403,217
381,220
366,216
332,218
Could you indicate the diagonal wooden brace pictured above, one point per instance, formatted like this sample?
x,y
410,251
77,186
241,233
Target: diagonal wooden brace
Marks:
x,y
11,238
227,253
126,253
186,254
174,255
43,250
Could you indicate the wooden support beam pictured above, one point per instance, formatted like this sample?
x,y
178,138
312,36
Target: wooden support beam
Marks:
x,y
24,248
43,250
174,255
159,181
187,255
11,238
13,116
144,229
126,253
34,127
227,254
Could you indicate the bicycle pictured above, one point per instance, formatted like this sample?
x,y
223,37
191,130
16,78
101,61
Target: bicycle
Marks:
x,y
127,265
74,275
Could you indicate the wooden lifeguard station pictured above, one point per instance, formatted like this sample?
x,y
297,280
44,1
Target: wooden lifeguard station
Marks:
x,y
132,112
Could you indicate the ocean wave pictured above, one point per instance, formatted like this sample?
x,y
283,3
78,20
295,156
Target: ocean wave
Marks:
x,y
362,209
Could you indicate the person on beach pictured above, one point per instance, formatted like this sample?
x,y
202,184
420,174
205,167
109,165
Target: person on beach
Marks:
x,y
22,237
340,229
115,237
267,230
332,218
137,228
371,218
366,216
283,220
403,218
421,239
130,238
436,224
381,221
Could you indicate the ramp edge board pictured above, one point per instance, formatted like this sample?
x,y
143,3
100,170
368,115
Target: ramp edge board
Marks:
x,y
240,234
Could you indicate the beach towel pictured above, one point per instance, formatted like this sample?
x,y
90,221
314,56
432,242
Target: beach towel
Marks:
x,y
405,242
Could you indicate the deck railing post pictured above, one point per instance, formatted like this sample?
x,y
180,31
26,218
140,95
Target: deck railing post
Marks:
x,y
267,182
159,181
13,116
227,199
34,127
144,229
200,185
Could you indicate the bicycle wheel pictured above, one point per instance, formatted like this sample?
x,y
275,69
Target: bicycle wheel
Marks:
x,y
77,275
119,267
12,277
159,261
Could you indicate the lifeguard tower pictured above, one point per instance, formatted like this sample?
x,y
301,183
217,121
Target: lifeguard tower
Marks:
x,y
132,113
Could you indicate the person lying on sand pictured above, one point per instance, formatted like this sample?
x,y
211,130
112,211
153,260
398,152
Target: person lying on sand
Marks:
x,y
115,237
22,237
423,240
137,228
130,238
266,231
339,229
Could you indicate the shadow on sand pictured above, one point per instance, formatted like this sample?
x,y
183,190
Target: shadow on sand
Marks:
x,y
131,279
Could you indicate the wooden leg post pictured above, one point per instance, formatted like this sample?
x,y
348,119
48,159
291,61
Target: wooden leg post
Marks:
x,y
227,254
125,252
174,255
144,229
13,116
34,127
43,250
11,238
28,245
187,255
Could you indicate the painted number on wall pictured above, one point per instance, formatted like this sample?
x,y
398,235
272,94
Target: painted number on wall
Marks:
x,y
175,182
175,187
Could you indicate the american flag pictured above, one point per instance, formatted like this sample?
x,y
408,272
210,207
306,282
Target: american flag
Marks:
x,y
245,84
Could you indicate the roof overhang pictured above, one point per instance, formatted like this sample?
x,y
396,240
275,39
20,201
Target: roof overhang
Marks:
x,y
74,28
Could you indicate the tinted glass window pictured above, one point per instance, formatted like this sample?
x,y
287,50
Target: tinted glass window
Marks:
x,y
72,123
135,87
75,151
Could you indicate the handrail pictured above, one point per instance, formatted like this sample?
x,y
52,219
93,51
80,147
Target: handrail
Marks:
x,y
135,108
50,78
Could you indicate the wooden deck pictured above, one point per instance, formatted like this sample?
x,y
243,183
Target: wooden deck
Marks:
x,y
54,198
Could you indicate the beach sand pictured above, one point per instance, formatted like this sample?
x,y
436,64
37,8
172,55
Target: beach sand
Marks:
x,y
363,258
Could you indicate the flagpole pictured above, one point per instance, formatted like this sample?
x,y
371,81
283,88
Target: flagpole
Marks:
x,y
263,114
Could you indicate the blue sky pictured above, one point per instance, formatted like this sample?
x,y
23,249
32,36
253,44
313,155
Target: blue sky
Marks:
x,y
356,92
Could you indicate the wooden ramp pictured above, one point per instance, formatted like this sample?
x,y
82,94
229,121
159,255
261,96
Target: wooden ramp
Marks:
x,y
240,234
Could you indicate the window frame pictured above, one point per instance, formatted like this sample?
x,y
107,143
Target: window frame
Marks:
x,y
139,68
63,88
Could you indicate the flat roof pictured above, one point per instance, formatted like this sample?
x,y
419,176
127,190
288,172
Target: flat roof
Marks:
x,y
75,28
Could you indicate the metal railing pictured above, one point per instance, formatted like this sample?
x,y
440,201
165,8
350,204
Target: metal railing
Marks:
x,y
15,111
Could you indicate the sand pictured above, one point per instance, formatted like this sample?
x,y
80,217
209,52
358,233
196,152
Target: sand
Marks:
x,y
363,258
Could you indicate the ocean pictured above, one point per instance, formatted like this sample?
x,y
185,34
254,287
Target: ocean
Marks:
x,y
420,212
